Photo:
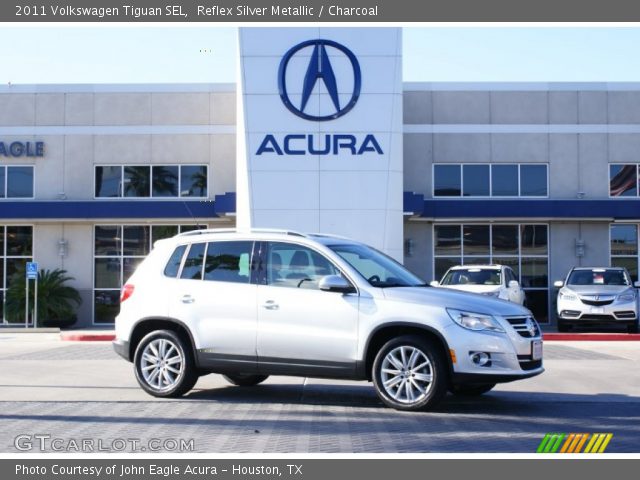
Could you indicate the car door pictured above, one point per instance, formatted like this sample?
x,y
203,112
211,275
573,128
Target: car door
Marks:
x,y
303,330
215,295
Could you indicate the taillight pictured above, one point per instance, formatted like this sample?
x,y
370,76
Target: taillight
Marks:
x,y
126,292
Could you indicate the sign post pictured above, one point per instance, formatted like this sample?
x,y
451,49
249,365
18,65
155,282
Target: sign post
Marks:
x,y
31,274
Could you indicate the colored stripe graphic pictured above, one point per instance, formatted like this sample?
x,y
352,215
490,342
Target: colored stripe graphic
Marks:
x,y
573,443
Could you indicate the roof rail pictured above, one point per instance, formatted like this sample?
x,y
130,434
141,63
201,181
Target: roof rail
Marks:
x,y
240,230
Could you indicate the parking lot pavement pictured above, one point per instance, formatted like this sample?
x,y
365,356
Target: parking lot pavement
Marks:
x,y
84,391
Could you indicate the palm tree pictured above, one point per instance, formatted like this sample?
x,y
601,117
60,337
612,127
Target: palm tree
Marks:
x,y
55,299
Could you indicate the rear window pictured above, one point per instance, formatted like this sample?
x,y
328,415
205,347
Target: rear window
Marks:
x,y
173,265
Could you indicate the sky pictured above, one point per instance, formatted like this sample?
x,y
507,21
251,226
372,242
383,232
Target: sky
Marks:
x,y
107,54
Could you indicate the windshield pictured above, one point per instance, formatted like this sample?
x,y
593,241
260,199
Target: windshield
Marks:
x,y
598,276
376,267
472,276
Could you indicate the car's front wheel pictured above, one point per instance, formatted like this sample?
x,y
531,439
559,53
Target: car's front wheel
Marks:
x,y
245,379
409,373
164,364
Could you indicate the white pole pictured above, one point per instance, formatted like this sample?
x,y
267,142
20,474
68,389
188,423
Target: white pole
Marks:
x,y
35,304
26,303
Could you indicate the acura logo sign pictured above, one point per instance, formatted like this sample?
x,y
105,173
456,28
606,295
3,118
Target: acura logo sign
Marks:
x,y
319,69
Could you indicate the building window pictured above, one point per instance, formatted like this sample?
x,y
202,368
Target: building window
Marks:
x,y
490,180
16,249
623,249
16,182
623,180
157,181
118,250
523,247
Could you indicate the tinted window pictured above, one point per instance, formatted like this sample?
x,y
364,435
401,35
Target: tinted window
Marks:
x,y
136,240
173,265
533,239
504,180
136,181
448,239
505,240
290,265
108,240
228,262
533,180
2,175
475,179
623,181
476,239
165,181
193,181
192,268
108,181
446,181
19,182
624,240
19,241
158,232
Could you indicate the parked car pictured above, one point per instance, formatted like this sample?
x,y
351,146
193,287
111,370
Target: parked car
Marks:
x,y
596,297
494,280
252,304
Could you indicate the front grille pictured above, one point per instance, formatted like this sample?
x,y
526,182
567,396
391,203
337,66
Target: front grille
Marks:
x,y
626,314
591,316
521,326
597,303
531,364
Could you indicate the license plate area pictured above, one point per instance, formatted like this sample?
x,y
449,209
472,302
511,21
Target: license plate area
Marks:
x,y
597,310
536,350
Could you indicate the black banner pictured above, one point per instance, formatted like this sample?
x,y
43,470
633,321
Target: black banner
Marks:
x,y
351,11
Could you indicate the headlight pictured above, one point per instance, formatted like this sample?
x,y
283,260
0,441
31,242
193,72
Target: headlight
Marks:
x,y
474,321
627,297
564,295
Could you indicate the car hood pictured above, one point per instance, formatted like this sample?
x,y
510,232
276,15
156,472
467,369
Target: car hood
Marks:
x,y
598,289
450,298
473,288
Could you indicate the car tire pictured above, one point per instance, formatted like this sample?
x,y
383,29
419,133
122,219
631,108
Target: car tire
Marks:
x,y
245,379
164,365
420,379
471,390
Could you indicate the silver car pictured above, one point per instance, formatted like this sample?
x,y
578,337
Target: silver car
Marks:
x,y
597,296
249,304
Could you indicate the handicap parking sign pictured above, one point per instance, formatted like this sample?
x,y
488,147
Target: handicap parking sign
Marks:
x,y
32,270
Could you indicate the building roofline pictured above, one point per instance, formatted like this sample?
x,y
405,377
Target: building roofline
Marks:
x,y
119,88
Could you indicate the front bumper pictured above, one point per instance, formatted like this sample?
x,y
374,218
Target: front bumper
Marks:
x,y
616,312
122,348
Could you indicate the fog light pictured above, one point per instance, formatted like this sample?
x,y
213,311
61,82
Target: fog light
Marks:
x,y
481,359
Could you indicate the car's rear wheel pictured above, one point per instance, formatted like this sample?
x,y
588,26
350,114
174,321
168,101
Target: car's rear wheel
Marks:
x,y
471,390
164,364
409,373
245,379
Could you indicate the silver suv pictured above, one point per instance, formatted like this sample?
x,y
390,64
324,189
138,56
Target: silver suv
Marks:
x,y
252,304
597,296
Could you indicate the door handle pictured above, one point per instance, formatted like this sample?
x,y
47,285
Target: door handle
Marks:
x,y
188,299
271,305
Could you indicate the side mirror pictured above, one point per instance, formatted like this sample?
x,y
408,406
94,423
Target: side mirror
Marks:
x,y
434,283
513,284
558,284
335,283
636,284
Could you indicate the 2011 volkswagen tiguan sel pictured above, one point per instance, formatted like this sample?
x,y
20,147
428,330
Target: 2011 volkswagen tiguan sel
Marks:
x,y
252,304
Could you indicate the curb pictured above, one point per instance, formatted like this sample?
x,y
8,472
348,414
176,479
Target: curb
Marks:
x,y
87,337
591,337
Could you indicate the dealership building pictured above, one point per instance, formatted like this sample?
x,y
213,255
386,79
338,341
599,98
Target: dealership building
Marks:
x,y
321,134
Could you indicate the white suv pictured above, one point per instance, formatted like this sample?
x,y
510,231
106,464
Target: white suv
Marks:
x,y
258,303
494,280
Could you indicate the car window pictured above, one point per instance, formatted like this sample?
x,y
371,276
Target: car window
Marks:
x,y
296,266
472,276
598,276
228,262
173,265
192,268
